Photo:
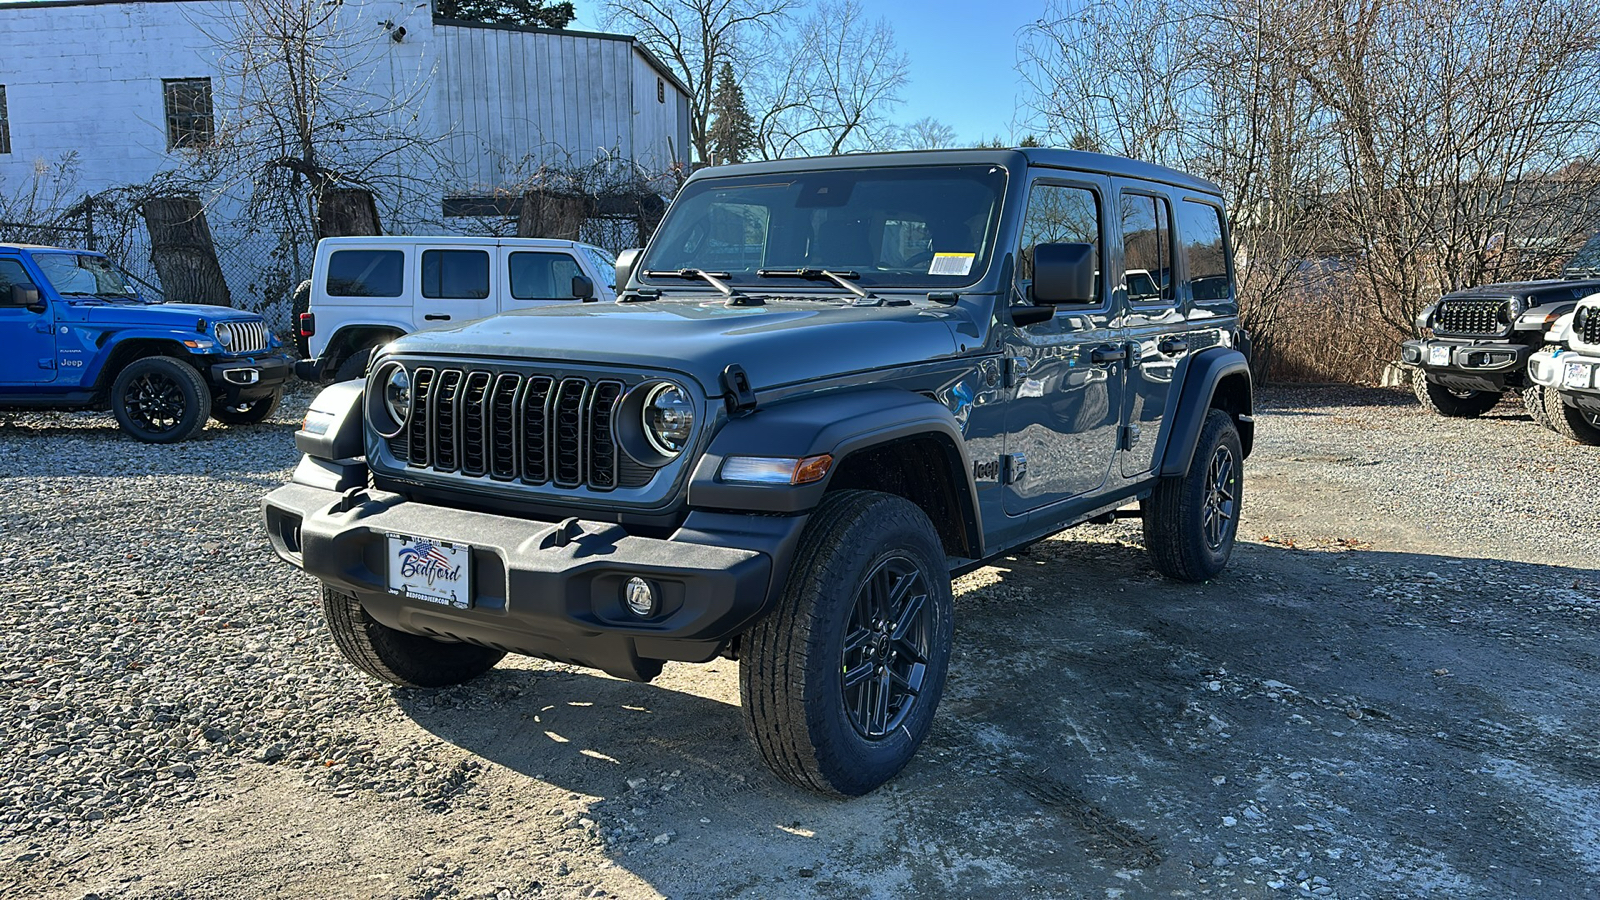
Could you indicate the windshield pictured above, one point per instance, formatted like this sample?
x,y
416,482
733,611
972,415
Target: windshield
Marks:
x,y
82,275
1587,259
928,226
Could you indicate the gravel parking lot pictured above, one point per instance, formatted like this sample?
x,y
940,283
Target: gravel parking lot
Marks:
x,y
1393,692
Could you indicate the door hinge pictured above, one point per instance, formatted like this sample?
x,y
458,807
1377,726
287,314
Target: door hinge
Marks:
x,y
47,363
1130,436
1015,465
45,328
1016,370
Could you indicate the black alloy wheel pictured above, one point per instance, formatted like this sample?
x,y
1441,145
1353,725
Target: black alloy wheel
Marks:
x,y
886,648
1222,501
160,400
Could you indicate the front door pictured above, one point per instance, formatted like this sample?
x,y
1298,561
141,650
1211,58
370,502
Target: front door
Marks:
x,y
28,337
1155,323
455,284
538,278
1065,375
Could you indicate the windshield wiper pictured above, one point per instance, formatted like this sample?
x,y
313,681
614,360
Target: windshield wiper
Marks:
x,y
842,279
712,278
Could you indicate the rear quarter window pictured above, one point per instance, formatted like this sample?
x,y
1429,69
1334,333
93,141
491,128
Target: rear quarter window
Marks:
x,y
366,273
1205,255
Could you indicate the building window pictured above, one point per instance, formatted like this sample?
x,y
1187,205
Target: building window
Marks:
x,y
5,123
189,119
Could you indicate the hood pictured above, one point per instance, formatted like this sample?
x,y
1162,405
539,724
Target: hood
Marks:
x,y
166,315
1536,293
784,342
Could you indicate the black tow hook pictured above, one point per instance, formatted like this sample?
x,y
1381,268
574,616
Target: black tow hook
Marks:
x,y
351,499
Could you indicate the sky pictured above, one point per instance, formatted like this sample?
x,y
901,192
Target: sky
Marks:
x,y
963,60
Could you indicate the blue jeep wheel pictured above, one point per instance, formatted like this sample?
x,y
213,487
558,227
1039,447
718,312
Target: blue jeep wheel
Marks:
x,y
160,400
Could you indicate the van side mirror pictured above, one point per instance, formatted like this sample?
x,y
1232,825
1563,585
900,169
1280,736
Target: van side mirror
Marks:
x,y
1063,273
625,262
24,295
583,288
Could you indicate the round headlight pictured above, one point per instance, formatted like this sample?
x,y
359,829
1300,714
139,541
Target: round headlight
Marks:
x,y
668,419
225,335
396,388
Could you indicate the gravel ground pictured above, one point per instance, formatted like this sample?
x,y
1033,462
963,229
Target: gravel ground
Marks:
x,y
1393,692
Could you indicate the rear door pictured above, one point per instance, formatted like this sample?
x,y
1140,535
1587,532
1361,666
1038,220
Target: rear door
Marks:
x,y
28,337
455,284
1065,374
356,284
538,277
1155,323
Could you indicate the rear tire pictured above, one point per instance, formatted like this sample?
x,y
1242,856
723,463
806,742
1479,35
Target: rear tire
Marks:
x,y
160,400
409,660
252,412
300,302
840,681
1573,423
1438,399
1191,520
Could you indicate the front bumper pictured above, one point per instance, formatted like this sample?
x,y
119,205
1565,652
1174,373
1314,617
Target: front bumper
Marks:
x,y
1555,369
546,589
249,378
1469,365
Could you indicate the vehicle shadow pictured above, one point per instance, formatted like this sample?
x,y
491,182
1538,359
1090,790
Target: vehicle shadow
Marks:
x,y
1107,729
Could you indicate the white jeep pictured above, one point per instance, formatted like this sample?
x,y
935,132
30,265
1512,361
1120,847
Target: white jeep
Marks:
x,y
1568,372
366,291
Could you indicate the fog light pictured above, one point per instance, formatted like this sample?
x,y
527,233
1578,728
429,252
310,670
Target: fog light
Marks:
x,y
641,597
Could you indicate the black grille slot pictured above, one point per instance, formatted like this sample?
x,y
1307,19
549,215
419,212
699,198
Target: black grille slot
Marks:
x,y
602,445
536,429
569,431
1591,326
503,427
1470,316
474,424
418,430
508,426
446,418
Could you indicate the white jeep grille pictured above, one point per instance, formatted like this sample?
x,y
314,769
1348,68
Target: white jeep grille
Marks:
x,y
243,337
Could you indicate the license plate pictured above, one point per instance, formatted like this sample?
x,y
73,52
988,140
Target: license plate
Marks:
x,y
435,571
1578,375
1439,356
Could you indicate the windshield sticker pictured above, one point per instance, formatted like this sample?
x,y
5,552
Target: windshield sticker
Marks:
x,y
951,263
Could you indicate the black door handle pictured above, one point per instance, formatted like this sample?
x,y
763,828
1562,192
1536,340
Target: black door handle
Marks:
x,y
437,318
1173,346
1107,354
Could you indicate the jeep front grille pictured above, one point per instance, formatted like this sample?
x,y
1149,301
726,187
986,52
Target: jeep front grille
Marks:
x,y
243,337
1590,333
1470,316
537,429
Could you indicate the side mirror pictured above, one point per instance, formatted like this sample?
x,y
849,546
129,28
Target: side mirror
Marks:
x,y
625,262
583,288
1063,273
24,295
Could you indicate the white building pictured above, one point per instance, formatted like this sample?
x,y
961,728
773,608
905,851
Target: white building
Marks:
x,y
121,86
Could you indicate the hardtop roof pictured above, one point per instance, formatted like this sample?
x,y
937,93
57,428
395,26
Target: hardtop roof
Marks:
x,y
1075,160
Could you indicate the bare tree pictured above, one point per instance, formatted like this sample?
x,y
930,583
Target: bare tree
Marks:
x,y
926,133
833,82
695,38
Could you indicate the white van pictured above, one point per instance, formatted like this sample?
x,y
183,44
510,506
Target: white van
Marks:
x,y
367,291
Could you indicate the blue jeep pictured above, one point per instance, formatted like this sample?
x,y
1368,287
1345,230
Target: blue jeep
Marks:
x,y
77,334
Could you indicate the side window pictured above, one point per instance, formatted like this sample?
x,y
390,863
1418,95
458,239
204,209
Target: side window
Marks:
x,y
11,272
366,273
542,276
455,274
189,117
1147,248
604,263
1205,257
1058,214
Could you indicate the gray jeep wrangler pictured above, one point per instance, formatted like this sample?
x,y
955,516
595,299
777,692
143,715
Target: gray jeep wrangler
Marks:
x,y
1476,342
828,386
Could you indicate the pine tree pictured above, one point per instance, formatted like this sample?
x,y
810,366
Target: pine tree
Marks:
x,y
509,12
732,134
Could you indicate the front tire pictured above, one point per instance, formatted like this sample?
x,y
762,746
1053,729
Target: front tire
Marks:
x,y
160,400
839,683
1536,399
398,657
1191,520
1438,399
1573,423
252,412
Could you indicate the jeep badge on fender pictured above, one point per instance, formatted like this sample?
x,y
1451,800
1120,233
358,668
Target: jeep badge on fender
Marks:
x,y
826,387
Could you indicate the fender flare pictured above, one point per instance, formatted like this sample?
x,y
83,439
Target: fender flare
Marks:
x,y
1205,374
97,373
340,336
838,423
